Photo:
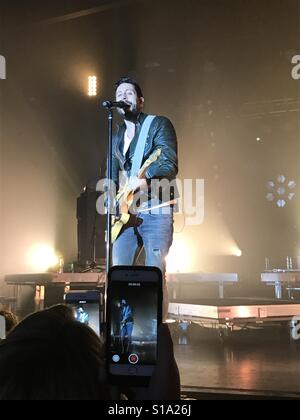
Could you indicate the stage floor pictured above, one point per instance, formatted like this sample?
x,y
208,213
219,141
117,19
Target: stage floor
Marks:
x,y
240,344
264,368
234,310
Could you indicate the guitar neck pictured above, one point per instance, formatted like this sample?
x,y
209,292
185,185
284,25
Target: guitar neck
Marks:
x,y
143,170
148,162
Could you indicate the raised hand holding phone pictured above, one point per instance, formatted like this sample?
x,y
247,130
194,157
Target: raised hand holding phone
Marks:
x,y
87,308
133,313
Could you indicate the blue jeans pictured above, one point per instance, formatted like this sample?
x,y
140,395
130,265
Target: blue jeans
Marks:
x,y
155,234
126,330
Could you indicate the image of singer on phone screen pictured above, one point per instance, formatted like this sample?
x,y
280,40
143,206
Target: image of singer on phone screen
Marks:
x,y
134,324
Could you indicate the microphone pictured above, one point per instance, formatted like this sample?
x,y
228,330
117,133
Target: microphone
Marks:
x,y
113,104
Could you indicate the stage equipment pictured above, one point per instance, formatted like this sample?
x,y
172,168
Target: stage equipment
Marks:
x,y
90,231
282,279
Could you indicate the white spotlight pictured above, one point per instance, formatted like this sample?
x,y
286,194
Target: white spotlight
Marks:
x,y
42,257
92,86
281,203
180,257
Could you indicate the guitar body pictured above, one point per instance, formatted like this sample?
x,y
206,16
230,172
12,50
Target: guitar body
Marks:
x,y
125,197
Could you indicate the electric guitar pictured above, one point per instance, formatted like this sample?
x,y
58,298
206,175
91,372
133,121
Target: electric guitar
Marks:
x,y
125,197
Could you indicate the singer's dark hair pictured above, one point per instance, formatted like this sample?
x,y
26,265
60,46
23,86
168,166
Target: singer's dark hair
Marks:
x,y
126,79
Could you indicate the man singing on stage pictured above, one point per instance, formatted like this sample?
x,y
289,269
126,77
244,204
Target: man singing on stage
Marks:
x,y
126,325
139,138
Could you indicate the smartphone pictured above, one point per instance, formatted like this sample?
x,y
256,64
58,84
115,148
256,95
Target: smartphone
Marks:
x,y
2,327
87,307
133,313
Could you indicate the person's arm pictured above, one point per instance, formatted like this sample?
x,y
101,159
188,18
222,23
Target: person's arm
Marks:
x,y
162,386
165,381
122,317
166,167
128,314
115,164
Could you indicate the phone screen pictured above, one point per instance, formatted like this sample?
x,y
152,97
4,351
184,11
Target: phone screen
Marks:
x,y
86,308
2,327
134,312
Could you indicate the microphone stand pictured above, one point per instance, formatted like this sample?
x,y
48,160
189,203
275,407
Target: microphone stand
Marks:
x,y
109,189
109,105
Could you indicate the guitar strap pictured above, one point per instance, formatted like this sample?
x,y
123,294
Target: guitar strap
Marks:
x,y
140,146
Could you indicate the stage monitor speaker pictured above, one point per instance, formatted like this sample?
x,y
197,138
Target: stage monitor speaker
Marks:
x,y
54,295
90,229
25,300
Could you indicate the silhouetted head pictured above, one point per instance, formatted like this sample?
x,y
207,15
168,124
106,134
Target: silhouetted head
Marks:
x,y
11,320
50,356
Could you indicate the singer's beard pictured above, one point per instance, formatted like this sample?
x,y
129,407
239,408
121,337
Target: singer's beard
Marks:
x,y
130,114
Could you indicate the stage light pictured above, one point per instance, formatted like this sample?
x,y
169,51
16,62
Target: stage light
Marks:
x,y
270,185
42,257
243,312
281,203
236,251
180,257
291,196
281,191
92,86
